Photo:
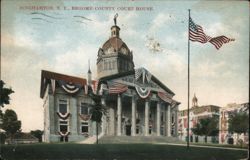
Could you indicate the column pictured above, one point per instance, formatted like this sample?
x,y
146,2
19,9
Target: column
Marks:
x,y
73,111
119,114
220,123
52,121
176,121
168,120
111,121
104,122
146,118
158,119
133,127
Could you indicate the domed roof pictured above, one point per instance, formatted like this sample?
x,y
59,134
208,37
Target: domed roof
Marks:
x,y
116,44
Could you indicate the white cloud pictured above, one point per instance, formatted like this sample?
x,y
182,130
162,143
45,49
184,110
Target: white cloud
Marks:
x,y
161,20
76,61
218,28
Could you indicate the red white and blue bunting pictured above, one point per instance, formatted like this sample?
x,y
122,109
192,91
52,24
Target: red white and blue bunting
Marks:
x,y
63,116
165,97
85,117
116,87
69,87
64,134
144,74
142,92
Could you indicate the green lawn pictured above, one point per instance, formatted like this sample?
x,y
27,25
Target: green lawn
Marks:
x,y
117,151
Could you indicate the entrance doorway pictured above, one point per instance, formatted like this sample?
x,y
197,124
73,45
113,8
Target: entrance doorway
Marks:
x,y
128,130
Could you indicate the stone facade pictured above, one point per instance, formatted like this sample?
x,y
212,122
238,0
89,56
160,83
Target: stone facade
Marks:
x,y
137,103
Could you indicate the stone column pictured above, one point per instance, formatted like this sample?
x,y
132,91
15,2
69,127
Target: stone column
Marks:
x,y
158,119
111,121
133,127
104,119
146,118
168,120
119,114
220,123
52,120
176,121
73,111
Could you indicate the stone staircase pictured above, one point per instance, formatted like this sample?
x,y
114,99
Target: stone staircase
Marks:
x,y
91,140
138,139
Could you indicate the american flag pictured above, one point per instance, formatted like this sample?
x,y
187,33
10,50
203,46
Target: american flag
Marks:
x,y
115,87
219,41
196,34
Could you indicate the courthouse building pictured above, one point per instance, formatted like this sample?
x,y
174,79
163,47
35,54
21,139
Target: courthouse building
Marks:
x,y
137,102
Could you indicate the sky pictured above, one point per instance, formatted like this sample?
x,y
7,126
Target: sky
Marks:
x,y
59,40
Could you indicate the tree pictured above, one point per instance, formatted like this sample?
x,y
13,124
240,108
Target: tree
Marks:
x,y
38,134
238,123
207,127
10,123
97,112
4,94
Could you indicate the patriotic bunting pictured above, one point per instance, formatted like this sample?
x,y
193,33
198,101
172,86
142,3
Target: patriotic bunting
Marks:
x,y
196,34
84,117
141,72
69,87
116,87
63,116
64,134
164,97
142,92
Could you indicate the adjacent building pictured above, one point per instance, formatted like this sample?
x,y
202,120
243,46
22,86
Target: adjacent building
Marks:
x,y
225,113
195,114
137,102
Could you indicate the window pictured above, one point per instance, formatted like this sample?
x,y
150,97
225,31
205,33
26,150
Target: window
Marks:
x,y
84,109
162,117
63,126
150,129
63,106
137,130
162,130
85,127
173,118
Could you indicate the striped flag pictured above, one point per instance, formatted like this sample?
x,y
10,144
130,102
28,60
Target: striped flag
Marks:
x,y
196,34
115,87
219,41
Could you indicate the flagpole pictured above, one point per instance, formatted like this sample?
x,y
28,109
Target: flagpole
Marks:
x,y
188,79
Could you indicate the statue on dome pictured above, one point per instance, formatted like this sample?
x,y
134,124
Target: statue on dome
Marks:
x,y
116,15
195,101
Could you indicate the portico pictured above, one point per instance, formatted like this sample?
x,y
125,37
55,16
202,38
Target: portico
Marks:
x,y
133,116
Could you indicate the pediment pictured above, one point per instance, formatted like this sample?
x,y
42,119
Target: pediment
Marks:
x,y
142,78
